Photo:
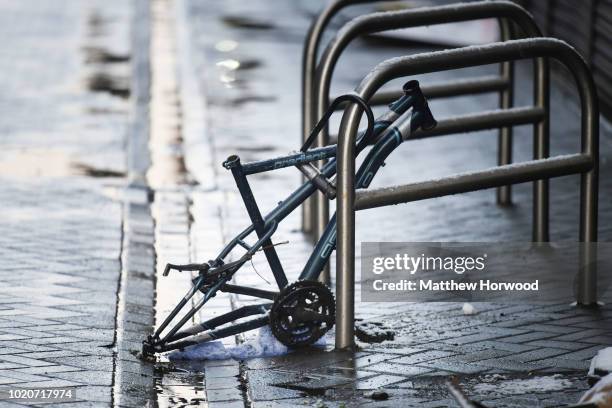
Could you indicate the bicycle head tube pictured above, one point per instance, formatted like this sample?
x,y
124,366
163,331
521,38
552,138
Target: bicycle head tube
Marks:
x,y
422,116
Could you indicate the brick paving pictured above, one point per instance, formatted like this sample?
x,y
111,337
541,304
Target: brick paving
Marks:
x,y
65,118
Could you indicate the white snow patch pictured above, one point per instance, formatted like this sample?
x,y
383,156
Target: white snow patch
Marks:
x,y
536,384
601,364
469,309
264,344
600,394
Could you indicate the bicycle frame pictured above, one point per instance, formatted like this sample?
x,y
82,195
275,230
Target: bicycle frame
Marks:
x,y
386,133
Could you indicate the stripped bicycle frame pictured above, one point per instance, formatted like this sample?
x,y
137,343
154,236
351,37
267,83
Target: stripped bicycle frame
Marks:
x,y
407,114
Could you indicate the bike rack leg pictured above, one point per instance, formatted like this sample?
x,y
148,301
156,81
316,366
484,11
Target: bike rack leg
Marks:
x,y
345,240
589,195
506,99
541,150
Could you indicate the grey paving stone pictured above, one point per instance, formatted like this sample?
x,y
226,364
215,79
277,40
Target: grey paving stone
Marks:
x,y
562,364
90,377
566,345
218,383
224,394
527,337
550,328
454,367
24,360
538,354
585,354
512,347
439,403
581,335
506,364
23,375
85,362
92,393
48,383
475,338
47,369
226,404
474,357
604,339
222,371
8,381
378,381
393,367
422,357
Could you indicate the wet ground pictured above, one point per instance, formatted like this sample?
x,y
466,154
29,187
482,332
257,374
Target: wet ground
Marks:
x,y
242,68
82,225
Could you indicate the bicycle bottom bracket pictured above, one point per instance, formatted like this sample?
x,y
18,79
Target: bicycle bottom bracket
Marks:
x,y
302,313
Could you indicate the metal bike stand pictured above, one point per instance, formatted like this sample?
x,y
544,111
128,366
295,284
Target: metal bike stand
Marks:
x,y
584,163
506,12
504,84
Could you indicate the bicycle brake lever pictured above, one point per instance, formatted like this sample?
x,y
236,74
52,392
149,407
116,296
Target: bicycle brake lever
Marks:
x,y
187,267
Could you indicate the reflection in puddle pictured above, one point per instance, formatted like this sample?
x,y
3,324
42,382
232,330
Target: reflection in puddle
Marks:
x,y
96,172
229,64
100,55
229,67
226,45
249,64
250,99
34,163
179,386
96,24
114,85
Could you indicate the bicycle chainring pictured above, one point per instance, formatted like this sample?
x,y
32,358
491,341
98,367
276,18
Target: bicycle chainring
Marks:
x,y
302,313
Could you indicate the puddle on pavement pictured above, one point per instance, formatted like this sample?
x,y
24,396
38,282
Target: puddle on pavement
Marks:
x,y
373,332
90,171
179,385
247,22
230,69
113,84
96,24
246,64
93,110
48,163
101,55
226,45
236,102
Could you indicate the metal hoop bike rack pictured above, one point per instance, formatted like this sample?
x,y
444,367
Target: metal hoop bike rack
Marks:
x,y
503,83
540,168
506,13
